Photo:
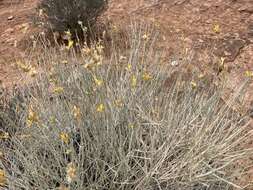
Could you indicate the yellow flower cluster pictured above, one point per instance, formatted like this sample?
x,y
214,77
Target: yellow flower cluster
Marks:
x,y
100,108
65,62
146,76
52,120
129,67
133,81
145,37
3,179
249,74
70,44
68,36
24,67
64,137
58,90
4,135
62,187
76,113
118,103
27,68
216,28
194,84
71,172
32,117
98,82
94,55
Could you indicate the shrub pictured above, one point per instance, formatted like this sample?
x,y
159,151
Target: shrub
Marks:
x,y
125,124
73,15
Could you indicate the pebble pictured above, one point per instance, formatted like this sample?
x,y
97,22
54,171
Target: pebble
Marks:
x,y
10,17
9,30
174,63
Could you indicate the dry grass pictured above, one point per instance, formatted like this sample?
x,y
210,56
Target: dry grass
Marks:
x,y
122,123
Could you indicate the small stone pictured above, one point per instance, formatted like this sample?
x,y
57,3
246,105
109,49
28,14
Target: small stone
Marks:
x,y
246,8
174,63
9,30
10,17
227,53
15,44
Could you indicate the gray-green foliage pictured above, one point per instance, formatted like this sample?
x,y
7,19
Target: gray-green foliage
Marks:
x,y
160,133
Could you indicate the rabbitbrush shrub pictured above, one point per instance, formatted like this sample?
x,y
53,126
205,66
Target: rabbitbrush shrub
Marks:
x,y
123,123
72,15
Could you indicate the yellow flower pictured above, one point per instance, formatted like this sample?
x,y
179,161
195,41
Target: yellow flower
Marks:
x,y
68,33
68,151
131,126
62,187
77,113
86,50
24,27
64,137
26,68
222,61
33,72
65,62
58,90
100,108
133,81
32,117
98,82
129,67
249,74
70,44
194,84
88,66
115,29
4,135
96,58
146,77
52,120
145,37
118,103
3,179
71,172
24,136
216,28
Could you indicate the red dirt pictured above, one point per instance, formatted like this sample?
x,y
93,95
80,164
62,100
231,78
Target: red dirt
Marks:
x,y
15,25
